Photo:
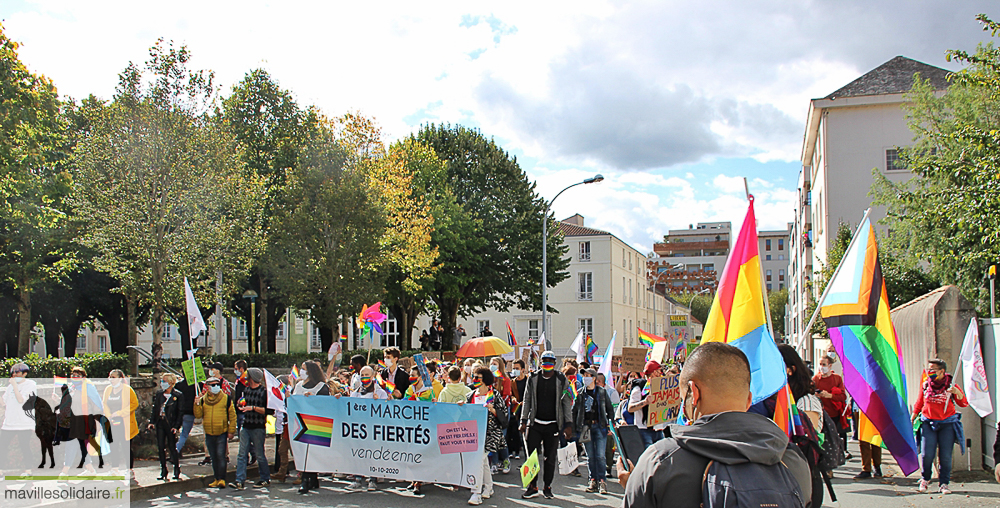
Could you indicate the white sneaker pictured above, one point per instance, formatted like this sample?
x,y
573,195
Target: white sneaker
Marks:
x,y
476,500
356,485
487,493
944,489
923,485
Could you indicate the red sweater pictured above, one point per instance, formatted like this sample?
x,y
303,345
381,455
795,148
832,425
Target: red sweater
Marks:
x,y
834,407
933,407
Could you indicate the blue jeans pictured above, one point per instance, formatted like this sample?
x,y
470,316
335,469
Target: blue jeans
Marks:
x,y
650,436
217,450
254,438
596,452
185,430
944,441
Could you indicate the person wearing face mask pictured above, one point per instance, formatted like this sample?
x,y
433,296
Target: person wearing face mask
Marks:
x,y
314,385
368,389
519,379
547,410
715,388
500,461
832,393
215,370
638,405
590,414
218,413
167,418
394,373
120,405
252,435
940,424
18,427
483,384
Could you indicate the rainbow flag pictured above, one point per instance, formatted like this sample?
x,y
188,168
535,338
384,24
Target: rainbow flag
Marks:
x,y
389,386
571,388
510,336
592,348
786,414
294,374
737,314
647,339
315,430
856,313
381,363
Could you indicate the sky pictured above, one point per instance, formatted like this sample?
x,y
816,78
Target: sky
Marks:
x,y
673,102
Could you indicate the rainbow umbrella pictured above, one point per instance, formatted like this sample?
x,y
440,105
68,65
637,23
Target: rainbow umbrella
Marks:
x,y
484,346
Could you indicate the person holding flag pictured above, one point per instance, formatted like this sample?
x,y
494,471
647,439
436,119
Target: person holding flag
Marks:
x,y
367,389
547,410
940,423
218,413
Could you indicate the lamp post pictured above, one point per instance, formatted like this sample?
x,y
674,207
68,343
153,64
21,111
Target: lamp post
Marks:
x,y
252,296
545,241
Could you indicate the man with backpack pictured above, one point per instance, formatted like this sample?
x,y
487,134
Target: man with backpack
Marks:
x,y
726,456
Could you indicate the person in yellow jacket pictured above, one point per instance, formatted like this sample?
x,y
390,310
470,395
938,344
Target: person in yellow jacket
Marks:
x,y
120,405
218,414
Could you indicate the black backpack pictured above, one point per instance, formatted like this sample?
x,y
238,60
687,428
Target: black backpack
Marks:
x,y
749,485
833,448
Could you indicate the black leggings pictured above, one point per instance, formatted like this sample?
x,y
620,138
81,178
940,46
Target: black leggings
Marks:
x,y
166,440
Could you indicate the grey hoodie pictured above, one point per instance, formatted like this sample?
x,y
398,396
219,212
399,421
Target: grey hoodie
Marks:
x,y
669,473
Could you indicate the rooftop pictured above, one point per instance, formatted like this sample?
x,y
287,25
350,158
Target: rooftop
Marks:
x,y
893,77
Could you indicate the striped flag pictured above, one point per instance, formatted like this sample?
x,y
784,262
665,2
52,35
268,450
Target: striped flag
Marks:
x,y
737,314
647,339
314,430
856,313
510,337
592,348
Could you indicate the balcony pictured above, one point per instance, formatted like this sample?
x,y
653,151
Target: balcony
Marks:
x,y
585,296
691,248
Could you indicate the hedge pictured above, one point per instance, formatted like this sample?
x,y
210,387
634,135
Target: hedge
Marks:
x,y
278,361
97,365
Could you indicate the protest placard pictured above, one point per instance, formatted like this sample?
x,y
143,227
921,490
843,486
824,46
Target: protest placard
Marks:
x,y
194,373
664,400
633,359
431,355
406,364
401,439
660,352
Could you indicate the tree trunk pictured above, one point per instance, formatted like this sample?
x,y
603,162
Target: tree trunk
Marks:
x,y
449,320
229,336
68,330
265,339
23,322
52,331
326,337
133,336
157,335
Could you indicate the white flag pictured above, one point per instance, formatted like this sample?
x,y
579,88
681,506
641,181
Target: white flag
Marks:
x,y
196,324
606,361
974,372
577,346
275,399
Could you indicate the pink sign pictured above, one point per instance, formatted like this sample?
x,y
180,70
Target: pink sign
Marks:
x,y
458,437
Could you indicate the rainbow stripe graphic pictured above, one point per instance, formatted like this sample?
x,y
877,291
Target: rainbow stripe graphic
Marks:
x,y
592,348
315,430
737,315
647,339
856,312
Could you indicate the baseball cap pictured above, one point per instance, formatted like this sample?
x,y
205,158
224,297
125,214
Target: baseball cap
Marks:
x,y
651,366
217,366
548,355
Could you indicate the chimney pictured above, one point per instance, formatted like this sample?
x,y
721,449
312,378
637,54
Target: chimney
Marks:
x,y
576,220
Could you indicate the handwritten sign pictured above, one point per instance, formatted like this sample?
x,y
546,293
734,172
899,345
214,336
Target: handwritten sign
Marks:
x,y
406,364
458,437
431,355
633,359
664,399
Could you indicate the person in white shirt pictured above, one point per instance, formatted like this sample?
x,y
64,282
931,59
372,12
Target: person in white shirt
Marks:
x,y
18,427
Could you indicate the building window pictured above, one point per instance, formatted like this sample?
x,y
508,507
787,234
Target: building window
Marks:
x,y
81,341
781,275
630,300
391,335
892,160
767,257
168,333
315,340
280,335
587,325
624,292
629,260
241,330
103,343
768,276
584,251
300,325
623,258
781,244
767,244
586,286
483,325
533,329
781,257
781,286
709,268
769,287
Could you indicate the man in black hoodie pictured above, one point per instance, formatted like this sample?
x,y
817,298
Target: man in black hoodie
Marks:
x,y
715,388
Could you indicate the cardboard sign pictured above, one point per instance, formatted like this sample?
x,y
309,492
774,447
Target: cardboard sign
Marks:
x,y
431,355
633,359
406,364
194,373
661,352
664,400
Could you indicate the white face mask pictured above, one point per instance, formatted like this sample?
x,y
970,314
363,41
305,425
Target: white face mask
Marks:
x,y
115,381
164,385
831,355
588,382
215,389
825,369
468,369
515,373
494,368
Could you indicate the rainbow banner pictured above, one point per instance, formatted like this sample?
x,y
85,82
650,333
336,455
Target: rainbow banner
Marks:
x,y
314,430
786,414
737,315
856,312
591,348
511,339
647,339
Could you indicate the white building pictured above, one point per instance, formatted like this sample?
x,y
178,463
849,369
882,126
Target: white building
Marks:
x,y
773,252
849,133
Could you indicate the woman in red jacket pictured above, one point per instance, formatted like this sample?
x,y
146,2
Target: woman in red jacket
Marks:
x,y
940,424
831,392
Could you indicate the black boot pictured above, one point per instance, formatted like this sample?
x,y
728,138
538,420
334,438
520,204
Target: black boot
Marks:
x,y
306,484
163,475
177,472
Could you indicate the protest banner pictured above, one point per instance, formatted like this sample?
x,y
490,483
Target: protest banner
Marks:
x,y
194,373
399,439
664,400
633,359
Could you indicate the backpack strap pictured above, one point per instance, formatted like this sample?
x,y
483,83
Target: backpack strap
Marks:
x,y
704,476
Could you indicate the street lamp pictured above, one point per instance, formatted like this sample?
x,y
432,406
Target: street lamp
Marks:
x,y
252,296
545,241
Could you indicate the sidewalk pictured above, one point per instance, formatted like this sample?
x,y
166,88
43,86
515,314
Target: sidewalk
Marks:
x,y
193,476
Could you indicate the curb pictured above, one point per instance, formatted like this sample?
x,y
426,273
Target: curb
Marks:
x,y
169,488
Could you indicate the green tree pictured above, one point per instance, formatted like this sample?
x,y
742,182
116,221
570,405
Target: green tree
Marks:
x,y
161,190
776,301
489,252
949,217
34,247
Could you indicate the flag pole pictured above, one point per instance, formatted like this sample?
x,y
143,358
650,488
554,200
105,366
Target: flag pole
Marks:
x,y
819,304
763,288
